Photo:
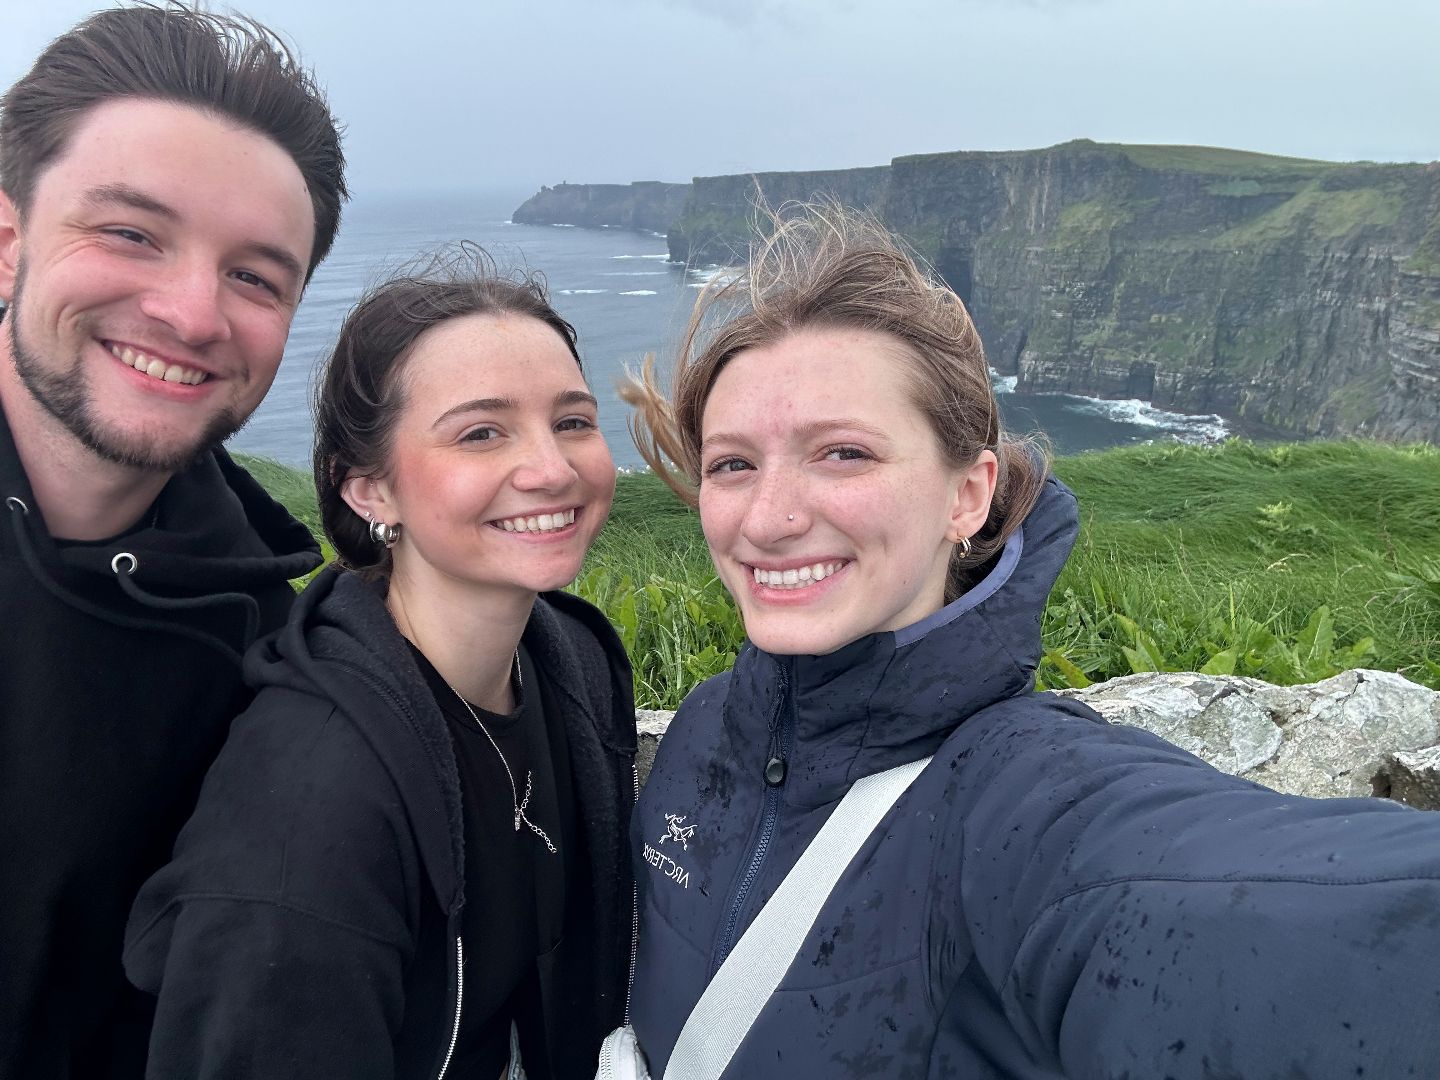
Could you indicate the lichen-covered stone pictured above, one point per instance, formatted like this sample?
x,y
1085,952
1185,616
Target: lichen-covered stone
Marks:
x,y
1359,733
1412,777
1330,738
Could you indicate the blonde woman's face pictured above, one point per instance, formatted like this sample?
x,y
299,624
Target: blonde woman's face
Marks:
x,y
827,504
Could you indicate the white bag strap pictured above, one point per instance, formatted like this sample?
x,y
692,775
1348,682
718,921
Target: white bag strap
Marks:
x,y
749,975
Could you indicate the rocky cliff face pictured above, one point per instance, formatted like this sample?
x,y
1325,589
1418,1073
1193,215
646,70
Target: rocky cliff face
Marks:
x,y
646,204
1301,295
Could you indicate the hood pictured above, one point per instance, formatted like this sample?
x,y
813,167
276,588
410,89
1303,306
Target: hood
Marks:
x,y
340,644
893,697
215,538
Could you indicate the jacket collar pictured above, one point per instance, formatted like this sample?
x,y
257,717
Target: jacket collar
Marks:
x,y
893,697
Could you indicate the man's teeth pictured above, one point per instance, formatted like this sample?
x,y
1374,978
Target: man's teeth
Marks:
x,y
538,522
796,579
157,369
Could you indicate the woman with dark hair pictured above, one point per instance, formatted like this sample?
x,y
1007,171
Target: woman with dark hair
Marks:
x,y
408,859
1049,896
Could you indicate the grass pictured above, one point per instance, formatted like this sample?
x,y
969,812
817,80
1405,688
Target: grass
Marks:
x,y
1289,562
1215,159
1318,212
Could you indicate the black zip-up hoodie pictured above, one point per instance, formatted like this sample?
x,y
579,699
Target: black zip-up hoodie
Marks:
x,y
309,924
119,675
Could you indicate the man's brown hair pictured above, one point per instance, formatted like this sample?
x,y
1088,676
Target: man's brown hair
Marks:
x,y
229,66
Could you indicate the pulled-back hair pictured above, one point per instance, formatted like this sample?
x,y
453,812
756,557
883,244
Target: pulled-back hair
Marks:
x,y
229,66
825,266
361,390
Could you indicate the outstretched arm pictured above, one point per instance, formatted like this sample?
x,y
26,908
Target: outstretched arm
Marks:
x,y
1159,918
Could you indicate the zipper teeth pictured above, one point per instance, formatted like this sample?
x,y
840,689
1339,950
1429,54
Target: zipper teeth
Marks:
x,y
459,1000
634,920
772,804
767,829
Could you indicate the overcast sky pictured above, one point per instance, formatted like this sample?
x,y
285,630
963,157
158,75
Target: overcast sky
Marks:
x,y
498,95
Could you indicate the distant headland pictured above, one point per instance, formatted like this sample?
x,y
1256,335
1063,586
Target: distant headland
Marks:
x,y
1301,295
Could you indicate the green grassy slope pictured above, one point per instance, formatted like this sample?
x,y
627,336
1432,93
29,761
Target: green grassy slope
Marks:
x,y
1289,562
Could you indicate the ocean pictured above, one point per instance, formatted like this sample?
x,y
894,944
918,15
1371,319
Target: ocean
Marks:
x,y
625,300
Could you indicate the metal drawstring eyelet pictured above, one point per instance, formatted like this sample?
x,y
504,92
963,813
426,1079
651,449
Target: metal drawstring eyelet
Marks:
x,y
115,563
14,502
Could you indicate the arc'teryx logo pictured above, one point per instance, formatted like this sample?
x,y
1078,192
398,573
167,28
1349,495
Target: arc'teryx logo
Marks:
x,y
678,831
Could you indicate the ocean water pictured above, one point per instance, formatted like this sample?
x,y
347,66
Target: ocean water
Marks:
x,y
625,300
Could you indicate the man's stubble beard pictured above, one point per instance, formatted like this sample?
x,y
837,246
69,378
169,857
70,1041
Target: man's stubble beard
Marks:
x,y
66,396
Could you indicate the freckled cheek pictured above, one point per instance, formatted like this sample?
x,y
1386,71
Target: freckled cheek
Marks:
x,y
720,517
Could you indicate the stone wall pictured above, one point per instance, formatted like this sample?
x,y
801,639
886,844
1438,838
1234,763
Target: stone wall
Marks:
x,y
1361,733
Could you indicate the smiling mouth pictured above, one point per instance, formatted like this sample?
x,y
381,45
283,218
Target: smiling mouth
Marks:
x,y
156,368
801,577
536,523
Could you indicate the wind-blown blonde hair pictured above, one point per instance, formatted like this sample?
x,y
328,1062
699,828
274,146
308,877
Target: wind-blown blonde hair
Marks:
x,y
823,265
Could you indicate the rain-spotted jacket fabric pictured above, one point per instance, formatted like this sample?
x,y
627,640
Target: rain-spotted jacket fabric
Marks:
x,y
1053,897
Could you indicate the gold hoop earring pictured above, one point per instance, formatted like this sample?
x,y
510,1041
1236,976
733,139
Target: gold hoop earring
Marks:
x,y
965,547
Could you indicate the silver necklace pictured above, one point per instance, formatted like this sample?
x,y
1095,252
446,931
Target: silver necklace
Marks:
x,y
518,803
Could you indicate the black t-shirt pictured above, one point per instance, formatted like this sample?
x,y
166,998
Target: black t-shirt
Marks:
x,y
514,885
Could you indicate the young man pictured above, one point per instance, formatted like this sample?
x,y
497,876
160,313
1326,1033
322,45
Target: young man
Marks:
x,y
168,181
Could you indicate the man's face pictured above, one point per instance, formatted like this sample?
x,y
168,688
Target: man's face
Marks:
x,y
152,282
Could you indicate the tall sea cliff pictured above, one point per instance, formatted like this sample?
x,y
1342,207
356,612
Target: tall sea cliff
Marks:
x,y
1301,295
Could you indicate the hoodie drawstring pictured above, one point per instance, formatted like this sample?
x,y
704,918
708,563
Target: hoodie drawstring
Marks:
x,y
19,511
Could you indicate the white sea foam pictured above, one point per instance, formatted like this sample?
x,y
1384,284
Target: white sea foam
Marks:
x,y
581,292
640,292
560,225
1003,384
635,273
716,275
1187,427
665,256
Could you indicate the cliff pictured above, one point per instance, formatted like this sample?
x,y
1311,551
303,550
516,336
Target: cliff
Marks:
x,y
1302,295
646,204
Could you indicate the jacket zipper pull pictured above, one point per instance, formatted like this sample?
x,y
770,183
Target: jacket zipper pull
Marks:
x,y
775,772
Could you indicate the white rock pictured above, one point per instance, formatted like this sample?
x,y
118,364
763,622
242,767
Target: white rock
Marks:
x,y
1360,733
1319,739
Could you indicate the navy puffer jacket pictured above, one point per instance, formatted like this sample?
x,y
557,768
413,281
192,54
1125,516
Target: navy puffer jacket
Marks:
x,y
1053,897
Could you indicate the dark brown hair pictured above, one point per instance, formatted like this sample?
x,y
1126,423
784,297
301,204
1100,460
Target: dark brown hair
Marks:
x,y
230,66
823,265
361,390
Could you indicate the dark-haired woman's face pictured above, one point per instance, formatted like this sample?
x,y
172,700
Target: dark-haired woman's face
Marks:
x,y
498,471
829,509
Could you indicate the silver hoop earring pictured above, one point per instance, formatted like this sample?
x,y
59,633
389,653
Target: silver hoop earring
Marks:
x,y
964,543
384,533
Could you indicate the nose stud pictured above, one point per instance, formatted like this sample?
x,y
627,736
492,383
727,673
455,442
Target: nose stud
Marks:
x,y
790,517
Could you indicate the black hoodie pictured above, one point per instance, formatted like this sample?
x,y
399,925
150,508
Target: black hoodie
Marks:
x,y
116,691
309,924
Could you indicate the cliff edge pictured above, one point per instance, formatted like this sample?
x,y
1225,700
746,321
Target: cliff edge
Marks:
x,y
1302,295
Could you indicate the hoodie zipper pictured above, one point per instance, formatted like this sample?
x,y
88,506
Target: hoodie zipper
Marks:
x,y
634,911
776,769
459,1001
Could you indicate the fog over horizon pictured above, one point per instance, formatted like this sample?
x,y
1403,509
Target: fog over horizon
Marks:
x,y
501,98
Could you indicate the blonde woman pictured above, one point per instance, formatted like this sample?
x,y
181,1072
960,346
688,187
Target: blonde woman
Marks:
x,y
1052,896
